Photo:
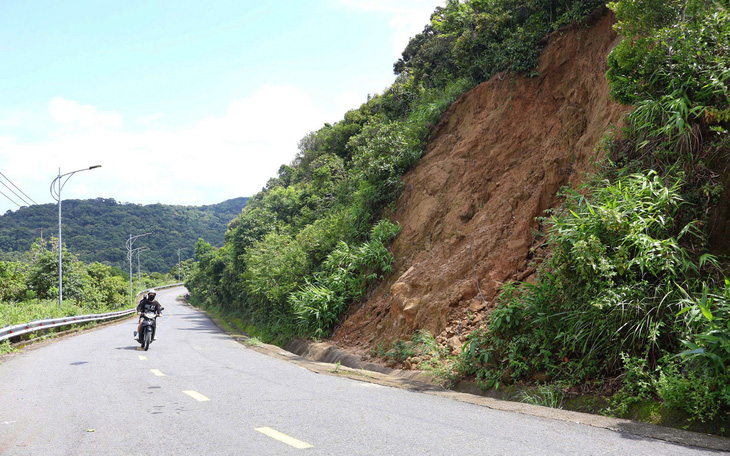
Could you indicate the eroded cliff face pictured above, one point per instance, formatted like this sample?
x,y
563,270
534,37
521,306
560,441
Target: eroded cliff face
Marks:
x,y
494,164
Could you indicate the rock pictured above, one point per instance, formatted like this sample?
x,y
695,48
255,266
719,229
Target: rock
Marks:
x,y
399,292
467,212
477,305
410,310
454,343
400,288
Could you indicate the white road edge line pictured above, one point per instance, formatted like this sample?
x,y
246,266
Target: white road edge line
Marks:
x,y
291,441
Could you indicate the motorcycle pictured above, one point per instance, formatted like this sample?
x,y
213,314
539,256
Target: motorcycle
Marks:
x,y
147,330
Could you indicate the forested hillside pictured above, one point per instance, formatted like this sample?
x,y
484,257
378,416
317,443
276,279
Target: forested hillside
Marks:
x,y
619,286
97,230
314,240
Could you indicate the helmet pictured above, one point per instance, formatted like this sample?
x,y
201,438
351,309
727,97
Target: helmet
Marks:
x,y
151,294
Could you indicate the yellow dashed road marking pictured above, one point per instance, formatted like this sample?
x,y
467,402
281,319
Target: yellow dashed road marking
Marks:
x,y
196,395
157,372
142,358
291,441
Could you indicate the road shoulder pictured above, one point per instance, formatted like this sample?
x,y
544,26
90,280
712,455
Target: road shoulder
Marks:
x,y
327,359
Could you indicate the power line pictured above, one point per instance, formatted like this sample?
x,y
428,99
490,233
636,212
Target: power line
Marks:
x,y
21,191
16,195
10,199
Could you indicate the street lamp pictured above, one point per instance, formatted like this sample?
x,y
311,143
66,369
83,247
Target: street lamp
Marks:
x,y
56,194
130,252
139,270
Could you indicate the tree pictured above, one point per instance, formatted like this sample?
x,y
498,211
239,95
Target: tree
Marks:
x,y
12,281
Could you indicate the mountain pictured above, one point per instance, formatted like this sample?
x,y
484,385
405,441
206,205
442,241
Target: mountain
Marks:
x,y
98,229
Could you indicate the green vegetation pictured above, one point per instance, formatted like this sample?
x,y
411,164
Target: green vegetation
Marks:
x,y
422,352
97,230
630,290
29,288
315,239
344,277
544,395
478,38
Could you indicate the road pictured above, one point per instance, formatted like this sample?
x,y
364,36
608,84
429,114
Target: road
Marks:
x,y
199,392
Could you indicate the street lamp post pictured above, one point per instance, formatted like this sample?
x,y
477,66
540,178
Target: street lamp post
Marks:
x,y
56,194
139,270
130,252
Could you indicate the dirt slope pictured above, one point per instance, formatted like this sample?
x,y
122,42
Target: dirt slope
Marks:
x,y
494,163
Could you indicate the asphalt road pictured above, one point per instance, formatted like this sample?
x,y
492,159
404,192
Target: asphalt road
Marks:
x,y
199,392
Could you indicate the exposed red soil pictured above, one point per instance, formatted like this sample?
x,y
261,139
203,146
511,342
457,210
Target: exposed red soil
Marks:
x,y
494,163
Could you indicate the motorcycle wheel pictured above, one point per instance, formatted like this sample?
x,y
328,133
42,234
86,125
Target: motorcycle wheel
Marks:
x,y
147,338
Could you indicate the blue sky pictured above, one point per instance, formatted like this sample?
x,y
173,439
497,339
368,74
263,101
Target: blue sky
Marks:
x,y
185,102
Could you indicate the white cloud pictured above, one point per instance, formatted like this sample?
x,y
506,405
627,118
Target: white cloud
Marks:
x,y
10,122
224,156
73,114
5,141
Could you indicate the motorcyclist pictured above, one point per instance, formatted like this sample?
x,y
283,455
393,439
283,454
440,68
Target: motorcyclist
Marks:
x,y
149,304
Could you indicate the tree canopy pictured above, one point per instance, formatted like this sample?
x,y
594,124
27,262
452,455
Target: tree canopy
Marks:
x,y
97,230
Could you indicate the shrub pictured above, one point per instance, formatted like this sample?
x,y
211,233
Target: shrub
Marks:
x,y
12,281
708,317
275,267
476,39
609,286
702,396
344,276
673,49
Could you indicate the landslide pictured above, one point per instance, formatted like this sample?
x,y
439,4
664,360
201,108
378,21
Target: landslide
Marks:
x,y
494,163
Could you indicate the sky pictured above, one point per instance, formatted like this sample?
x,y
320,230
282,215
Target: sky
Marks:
x,y
181,102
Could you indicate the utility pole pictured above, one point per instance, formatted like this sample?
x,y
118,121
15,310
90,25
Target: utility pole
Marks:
x,y
130,252
139,270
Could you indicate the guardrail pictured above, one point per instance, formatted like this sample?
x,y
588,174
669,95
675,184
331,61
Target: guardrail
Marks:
x,y
41,325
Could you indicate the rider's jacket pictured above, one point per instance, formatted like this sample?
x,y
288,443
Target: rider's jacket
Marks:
x,y
146,305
